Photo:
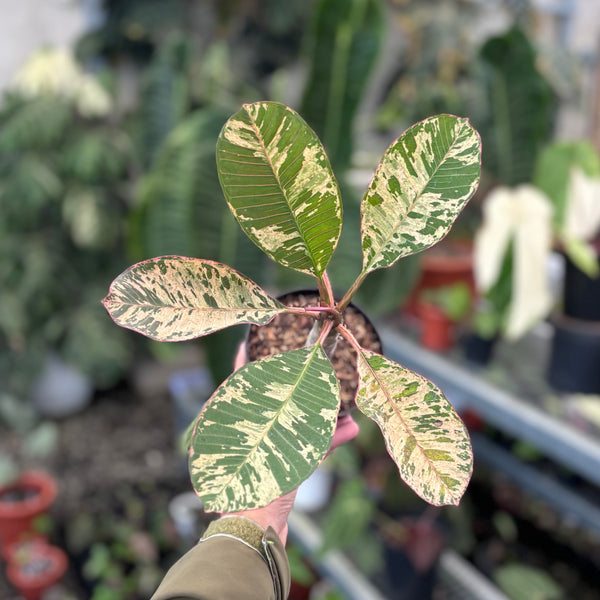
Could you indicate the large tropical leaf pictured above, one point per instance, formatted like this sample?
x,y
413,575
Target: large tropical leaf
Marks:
x,y
180,207
264,430
521,107
279,185
343,41
423,182
422,431
173,298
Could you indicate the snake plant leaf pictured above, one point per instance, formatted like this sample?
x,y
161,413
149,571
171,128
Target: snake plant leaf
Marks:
x,y
279,185
422,431
174,298
424,180
265,430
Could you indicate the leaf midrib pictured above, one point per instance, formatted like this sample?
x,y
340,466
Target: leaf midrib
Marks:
x,y
406,427
195,308
270,425
281,187
412,205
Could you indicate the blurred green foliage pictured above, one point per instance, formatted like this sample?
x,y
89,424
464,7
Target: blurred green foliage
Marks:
x,y
82,197
62,220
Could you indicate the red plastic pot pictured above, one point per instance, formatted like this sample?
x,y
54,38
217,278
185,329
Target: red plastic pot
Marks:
x,y
437,329
441,269
21,502
443,265
34,566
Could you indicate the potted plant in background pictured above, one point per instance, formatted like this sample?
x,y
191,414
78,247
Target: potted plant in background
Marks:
x,y
396,544
21,502
511,253
440,309
25,494
569,174
34,566
279,185
63,168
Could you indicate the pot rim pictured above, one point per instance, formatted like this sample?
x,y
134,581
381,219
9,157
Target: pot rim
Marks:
x,y
57,568
313,291
40,481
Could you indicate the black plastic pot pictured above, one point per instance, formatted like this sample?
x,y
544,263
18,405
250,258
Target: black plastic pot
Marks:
x,y
411,565
284,324
575,357
581,294
478,350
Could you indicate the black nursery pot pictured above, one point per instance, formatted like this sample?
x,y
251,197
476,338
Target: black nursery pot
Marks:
x,y
478,350
411,565
289,332
575,358
581,294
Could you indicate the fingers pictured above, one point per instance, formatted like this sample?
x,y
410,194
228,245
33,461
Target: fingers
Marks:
x,y
346,430
241,358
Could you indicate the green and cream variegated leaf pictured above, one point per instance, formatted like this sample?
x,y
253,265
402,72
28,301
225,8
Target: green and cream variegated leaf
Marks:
x,y
264,430
279,185
423,182
173,298
423,434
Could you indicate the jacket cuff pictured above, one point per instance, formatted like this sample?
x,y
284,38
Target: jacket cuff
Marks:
x,y
245,530
266,543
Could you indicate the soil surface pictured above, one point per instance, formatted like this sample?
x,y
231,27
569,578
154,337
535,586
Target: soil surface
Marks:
x,y
290,332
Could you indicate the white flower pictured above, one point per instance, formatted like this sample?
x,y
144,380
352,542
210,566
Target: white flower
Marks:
x,y
92,99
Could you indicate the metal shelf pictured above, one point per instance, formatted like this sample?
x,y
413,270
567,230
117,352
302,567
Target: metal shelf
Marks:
x,y
578,510
515,416
460,579
334,565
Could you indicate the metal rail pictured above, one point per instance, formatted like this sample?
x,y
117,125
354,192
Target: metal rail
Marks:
x,y
577,509
334,565
558,440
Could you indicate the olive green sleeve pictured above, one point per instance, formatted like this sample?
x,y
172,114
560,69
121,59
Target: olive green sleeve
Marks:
x,y
235,560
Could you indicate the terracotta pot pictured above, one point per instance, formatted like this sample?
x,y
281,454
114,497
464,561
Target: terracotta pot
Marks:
x,y
34,566
437,330
444,265
443,269
21,502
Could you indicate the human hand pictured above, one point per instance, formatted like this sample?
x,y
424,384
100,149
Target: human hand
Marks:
x,y
276,513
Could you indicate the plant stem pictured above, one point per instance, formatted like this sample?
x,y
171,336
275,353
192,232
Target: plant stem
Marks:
x,y
343,303
345,333
325,291
327,326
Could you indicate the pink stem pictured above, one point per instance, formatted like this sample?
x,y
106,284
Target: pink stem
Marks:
x,y
349,337
329,292
325,332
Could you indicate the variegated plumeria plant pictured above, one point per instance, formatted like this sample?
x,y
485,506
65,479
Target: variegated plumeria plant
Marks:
x,y
269,425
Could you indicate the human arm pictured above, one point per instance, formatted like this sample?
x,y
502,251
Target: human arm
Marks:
x,y
242,554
